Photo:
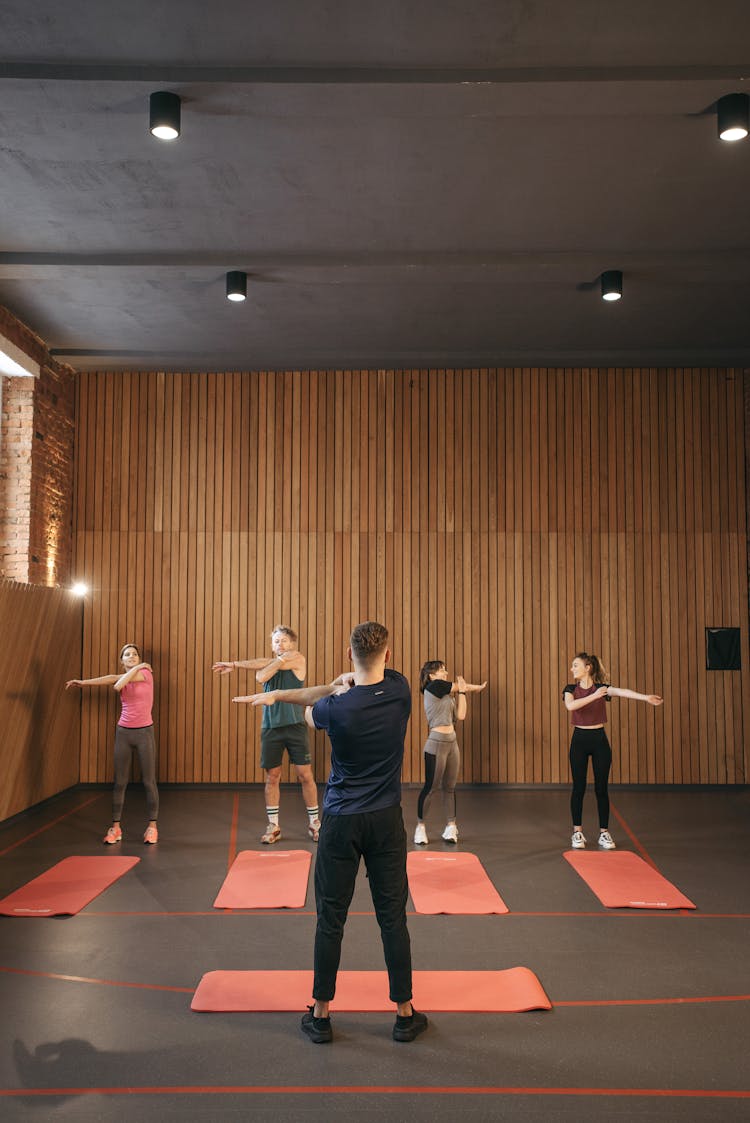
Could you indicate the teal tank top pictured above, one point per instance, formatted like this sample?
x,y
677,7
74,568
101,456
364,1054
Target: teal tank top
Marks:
x,y
282,713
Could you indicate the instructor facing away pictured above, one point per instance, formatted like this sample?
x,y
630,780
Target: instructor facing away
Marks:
x,y
365,714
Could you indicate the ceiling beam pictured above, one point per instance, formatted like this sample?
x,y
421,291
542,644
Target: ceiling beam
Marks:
x,y
168,72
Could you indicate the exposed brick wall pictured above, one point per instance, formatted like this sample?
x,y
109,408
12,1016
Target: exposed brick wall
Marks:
x,y
53,446
16,433
36,466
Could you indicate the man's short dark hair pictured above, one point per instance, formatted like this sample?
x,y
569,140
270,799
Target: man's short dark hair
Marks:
x,y
368,641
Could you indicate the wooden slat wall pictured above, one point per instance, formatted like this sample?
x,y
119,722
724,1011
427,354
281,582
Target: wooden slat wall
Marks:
x,y
499,519
39,720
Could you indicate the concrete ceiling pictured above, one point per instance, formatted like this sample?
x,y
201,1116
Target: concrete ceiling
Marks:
x,y
407,183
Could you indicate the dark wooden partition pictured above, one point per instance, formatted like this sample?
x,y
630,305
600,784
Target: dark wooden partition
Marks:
x,y
41,641
498,519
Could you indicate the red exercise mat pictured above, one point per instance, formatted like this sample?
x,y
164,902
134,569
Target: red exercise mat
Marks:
x,y
451,883
265,879
620,879
504,992
67,887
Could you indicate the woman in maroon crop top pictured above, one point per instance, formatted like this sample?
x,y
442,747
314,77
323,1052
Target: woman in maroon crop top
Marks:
x,y
586,698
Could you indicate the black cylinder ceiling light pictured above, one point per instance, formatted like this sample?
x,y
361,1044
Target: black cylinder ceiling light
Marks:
x,y
612,284
236,285
733,116
164,115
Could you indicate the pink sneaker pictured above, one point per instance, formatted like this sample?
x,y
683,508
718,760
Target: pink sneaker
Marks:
x,y
114,834
151,835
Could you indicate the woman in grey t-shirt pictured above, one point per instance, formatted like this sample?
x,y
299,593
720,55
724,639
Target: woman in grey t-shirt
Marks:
x,y
444,703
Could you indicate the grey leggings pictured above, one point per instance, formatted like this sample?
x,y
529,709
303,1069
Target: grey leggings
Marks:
x,y
441,762
142,741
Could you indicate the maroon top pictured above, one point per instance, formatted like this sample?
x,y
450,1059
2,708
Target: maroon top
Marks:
x,y
593,714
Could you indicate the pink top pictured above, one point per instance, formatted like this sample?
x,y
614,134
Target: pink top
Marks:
x,y
137,699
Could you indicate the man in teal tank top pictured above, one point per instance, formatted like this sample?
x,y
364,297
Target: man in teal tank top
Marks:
x,y
283,727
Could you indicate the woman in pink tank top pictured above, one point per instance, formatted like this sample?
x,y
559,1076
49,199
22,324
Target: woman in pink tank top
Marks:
x,y
135,733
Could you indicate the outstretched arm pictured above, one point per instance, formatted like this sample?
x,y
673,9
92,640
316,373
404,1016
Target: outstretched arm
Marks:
x,y
466,687
621,692
224,666
133,675
460,688
103,680
304,696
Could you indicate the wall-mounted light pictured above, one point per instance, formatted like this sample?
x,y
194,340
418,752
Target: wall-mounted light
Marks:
x,y
164,115
236,286
79,589
733,116
612,284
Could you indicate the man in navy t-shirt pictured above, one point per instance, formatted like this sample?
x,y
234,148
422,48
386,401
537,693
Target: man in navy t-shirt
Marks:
x,y
365,714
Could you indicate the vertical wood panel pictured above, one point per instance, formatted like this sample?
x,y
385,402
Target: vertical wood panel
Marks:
x,y
497,519
39,718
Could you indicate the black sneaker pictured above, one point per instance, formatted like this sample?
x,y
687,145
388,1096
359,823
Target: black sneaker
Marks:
x,y
317,1029
406,1029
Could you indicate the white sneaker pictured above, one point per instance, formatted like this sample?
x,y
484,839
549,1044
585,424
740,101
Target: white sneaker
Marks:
x,y
606,842
450,834
420,835
578,842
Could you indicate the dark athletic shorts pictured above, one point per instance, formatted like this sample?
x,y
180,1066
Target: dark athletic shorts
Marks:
x,y
293,738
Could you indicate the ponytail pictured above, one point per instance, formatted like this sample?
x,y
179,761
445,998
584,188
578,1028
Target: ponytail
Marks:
x,y
428,669
597,668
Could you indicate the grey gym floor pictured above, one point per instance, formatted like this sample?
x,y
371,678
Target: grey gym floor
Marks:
x,y
648,1007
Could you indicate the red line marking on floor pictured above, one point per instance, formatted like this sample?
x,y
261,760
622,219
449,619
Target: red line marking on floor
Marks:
x,y
625,913
97,982
195,912
633,838
244,912
233,838
218,912
47,826
374,1090
655,1001
233,830
611,914
570,1002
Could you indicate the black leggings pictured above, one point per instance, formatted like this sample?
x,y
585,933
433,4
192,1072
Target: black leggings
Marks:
x,y
592,743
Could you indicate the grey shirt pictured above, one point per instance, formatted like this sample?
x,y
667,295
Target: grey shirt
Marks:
x,y
439,707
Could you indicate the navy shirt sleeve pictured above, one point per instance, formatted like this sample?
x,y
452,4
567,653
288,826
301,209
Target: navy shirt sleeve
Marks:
x,y
439,687
320,712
